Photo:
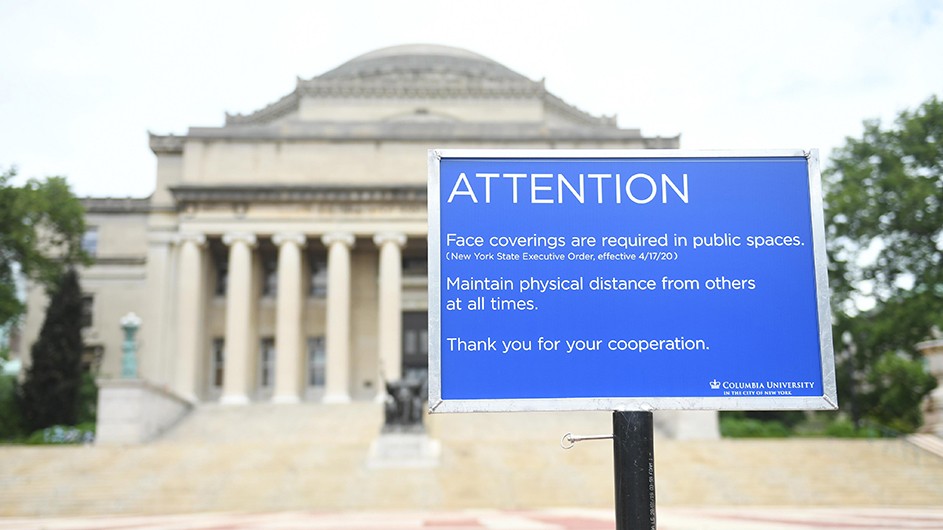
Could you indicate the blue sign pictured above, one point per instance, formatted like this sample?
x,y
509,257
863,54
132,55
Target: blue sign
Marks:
x,y
627,280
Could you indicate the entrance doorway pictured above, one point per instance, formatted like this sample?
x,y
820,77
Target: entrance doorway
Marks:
x,y
415,345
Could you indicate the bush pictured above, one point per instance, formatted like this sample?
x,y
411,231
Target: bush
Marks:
x,y
62,434
739,424
844,428
740,427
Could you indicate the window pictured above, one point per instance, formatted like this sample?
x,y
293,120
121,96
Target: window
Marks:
x,y
317,361
222,277
217,362
90,241
88,307
318,285
270,277
267,362
415,266
92,359
415,345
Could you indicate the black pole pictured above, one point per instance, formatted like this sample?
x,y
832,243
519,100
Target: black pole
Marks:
x,y
633,447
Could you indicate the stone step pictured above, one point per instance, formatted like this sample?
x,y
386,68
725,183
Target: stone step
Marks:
x,y
317,457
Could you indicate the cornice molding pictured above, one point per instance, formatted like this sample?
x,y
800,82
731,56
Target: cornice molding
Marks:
x,y
418,131
429,87
294,194
576,114
166,144
267,114
104,261
115,205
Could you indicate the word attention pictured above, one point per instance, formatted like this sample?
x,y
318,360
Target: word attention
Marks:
x,y
545,188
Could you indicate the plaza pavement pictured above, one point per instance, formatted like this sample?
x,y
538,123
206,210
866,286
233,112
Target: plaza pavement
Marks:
x,y
672,518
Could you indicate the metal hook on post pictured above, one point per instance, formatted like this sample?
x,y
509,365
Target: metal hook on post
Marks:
x,y
569,439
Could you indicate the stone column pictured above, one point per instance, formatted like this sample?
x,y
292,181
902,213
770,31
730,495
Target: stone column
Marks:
x,y
390,323
290,304
933,411
337,340
190,290
160,334
238,319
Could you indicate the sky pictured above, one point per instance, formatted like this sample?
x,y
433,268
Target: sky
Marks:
x,y
83,82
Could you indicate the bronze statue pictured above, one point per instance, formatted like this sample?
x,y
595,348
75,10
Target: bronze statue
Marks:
x,y
403,408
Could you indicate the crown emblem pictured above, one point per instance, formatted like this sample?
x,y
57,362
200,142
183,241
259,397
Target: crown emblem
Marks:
x,y
715,384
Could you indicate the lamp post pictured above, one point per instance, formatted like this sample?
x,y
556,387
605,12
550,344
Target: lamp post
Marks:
x,y
129,362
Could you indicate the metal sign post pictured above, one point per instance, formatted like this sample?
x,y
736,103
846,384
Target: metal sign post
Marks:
x,y
633,451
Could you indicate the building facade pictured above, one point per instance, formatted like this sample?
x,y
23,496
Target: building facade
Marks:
x,y
282,255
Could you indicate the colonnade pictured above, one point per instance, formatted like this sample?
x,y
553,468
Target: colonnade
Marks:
x,y
289,339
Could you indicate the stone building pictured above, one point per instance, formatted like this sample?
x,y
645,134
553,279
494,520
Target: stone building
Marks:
x,y
282,255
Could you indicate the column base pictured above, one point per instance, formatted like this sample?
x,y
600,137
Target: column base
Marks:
x,y
337,398
287,399
234,400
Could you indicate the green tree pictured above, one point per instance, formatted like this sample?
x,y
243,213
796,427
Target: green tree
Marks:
x,y
41,228
898,385
50,394
884,217
9,412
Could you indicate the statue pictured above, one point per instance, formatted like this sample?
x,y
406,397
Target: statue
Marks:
x,y
403,407
403,441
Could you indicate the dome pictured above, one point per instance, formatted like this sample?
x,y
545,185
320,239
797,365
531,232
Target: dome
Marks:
x,y
417,60
428,73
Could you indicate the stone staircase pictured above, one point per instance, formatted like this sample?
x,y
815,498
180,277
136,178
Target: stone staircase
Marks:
x,y
314,457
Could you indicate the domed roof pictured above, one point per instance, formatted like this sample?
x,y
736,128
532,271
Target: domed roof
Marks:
x,y
418,60
414,72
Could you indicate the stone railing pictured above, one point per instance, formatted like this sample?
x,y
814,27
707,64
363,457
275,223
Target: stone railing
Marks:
x,y
133,411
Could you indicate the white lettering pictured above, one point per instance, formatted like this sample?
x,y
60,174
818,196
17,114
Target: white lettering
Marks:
x,y
651,182
487,177
534,188
468,189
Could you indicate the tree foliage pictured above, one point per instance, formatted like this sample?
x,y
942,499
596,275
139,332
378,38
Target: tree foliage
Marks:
x,y
9,412
50,394
41,228
884,217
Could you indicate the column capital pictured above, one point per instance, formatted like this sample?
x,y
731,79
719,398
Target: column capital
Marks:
x,y
345,238
289,237
397,238
190,237
245,237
